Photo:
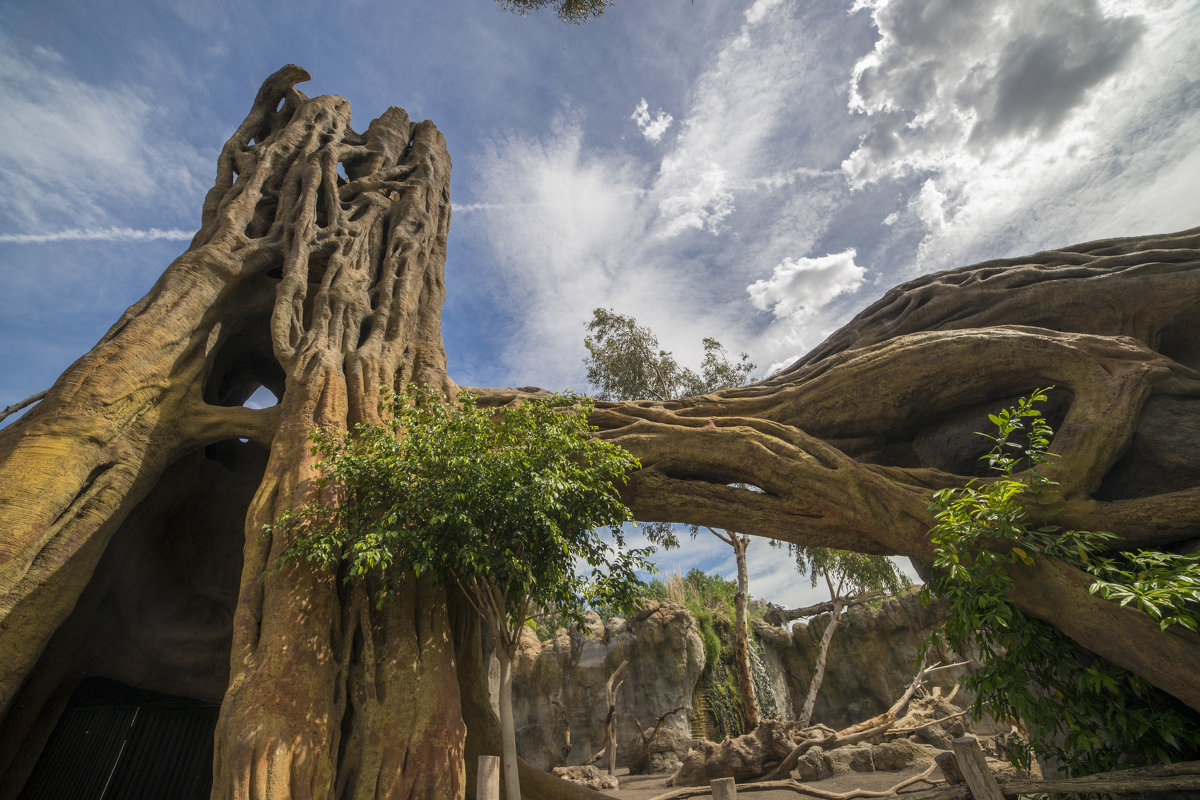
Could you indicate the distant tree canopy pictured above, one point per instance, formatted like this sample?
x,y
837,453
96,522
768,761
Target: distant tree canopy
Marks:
x,y
568,10
625,362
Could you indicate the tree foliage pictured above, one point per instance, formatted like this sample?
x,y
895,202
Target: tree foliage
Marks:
x,y
1081,710
568,10
625,362
502,503
846,573
507,498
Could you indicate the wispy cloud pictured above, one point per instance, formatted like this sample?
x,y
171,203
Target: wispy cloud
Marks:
x,y
111,234
659,235
78,154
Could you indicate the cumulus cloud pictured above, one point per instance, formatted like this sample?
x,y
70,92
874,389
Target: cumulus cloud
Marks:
x,y
799,287
949,75
1004,113
652,126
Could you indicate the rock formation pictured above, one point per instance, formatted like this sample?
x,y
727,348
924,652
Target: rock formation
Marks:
x,y
871,660
559,685
318,273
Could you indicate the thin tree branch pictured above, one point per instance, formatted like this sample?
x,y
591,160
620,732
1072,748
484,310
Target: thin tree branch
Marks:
x,y
28,401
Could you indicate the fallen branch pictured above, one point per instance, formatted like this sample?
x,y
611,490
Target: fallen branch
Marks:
x,y
777,615
1184,776
855,733
805,789
932,722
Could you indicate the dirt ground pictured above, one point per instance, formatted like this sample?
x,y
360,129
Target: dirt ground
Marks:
x,y
645,787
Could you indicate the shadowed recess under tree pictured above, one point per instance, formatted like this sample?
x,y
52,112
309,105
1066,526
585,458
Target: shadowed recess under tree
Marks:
x,y
318,273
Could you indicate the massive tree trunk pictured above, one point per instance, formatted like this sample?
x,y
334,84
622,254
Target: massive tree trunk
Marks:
x,y
318,273
133,494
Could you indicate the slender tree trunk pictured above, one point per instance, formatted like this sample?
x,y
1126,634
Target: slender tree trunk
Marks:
x,y
814,685
508,731
741,647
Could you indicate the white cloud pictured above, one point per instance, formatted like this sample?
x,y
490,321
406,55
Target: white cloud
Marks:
x,y
798,294
110,234
757,12
1029,125
742,114
652,127
799,287
949,77
695,194
572,227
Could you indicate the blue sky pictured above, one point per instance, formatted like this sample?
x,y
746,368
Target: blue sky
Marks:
x,y
756,170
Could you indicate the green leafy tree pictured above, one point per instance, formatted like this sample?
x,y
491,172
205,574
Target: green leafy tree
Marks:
x,y
501,503
847,575
625,362
1080,709
568,10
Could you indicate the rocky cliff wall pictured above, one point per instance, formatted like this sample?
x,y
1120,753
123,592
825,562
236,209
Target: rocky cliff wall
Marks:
x,y
872,659
559,685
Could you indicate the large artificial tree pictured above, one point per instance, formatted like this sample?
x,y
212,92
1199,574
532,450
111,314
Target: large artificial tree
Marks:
x,y
133,495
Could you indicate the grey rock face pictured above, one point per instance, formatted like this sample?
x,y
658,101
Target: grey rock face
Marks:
x,y
872,659
559,685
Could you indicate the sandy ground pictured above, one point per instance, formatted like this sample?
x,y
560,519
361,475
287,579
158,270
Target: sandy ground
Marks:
x,y
644,787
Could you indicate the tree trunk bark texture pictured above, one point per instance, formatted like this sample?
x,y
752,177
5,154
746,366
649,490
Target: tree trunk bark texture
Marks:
x,y
133,495
814,685
741,640
508,731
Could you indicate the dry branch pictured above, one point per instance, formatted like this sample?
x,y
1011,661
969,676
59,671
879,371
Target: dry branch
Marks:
x,y
777,615
856,732
15,407
804,789
1183,776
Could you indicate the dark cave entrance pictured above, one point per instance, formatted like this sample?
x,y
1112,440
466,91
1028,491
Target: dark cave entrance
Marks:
x,y
114,742
142,662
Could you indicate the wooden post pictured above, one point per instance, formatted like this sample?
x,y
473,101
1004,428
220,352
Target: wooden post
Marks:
x,y
948,764
723,789
975,770
487,786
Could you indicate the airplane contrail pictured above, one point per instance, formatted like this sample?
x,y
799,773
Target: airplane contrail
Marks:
x,y
111,234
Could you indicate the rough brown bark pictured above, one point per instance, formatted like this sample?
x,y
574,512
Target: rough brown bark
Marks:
x,y
741,639
322,286
322,282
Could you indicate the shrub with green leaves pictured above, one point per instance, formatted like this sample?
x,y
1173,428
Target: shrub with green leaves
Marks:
x,y
1081,710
